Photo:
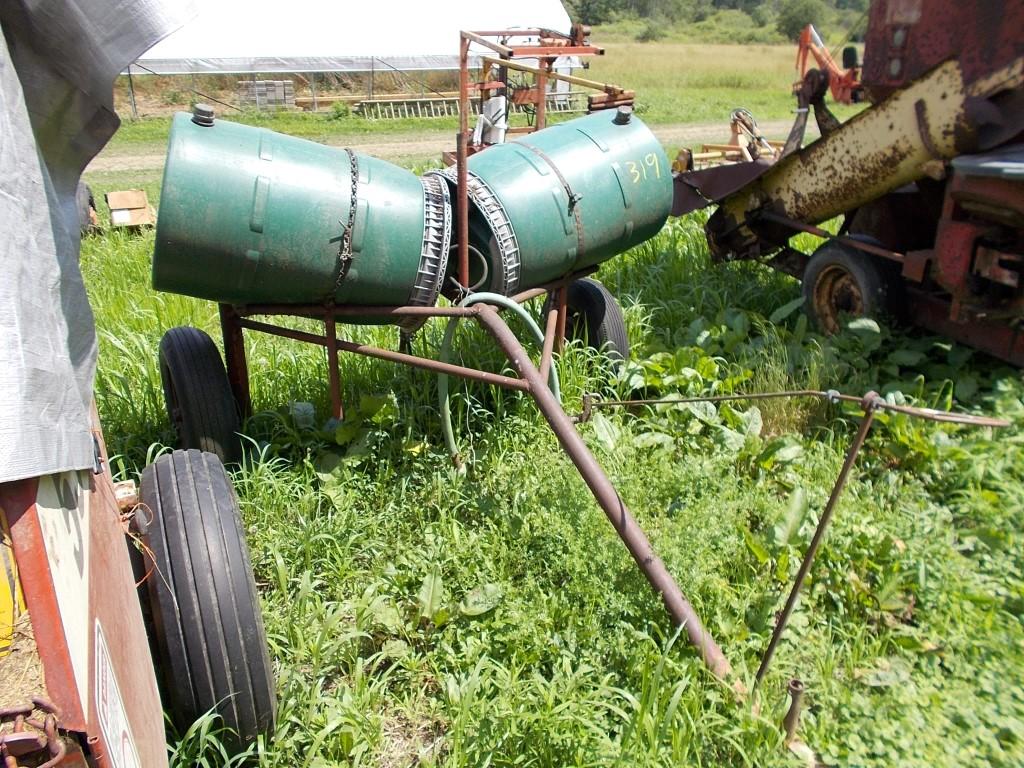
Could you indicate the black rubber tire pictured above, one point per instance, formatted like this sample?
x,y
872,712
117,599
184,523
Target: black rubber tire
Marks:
x,y
210,647
198,395
594,317
840,279
86,204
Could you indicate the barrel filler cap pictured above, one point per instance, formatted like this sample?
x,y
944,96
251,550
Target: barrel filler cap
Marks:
x,y
622,115
202,114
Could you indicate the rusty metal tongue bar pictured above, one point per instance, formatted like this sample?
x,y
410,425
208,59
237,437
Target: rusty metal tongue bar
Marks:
x,y
632,536
870,403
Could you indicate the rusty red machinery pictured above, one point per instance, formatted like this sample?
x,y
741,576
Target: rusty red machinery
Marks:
x,y
927,179
543,47
126,603
843,82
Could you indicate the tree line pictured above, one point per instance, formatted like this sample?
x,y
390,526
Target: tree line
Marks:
x,y
788,17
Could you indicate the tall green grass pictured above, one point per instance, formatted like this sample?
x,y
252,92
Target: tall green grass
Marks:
x,y
909,636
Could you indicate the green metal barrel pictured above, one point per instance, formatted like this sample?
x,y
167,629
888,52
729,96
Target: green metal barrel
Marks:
x,y
249,216
565,198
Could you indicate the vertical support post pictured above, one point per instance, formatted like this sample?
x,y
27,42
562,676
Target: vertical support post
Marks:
x,y
333,374
312,90
131,94
791,722
562,302
234,357
542,93
461,193
373,62
819,534
550,332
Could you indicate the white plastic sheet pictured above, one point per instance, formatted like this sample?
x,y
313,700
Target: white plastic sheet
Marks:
x,y
239,36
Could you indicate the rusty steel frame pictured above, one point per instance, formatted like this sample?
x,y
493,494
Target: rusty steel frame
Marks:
x,y
333,344
545,56
870,403
531,380
810,229
234,319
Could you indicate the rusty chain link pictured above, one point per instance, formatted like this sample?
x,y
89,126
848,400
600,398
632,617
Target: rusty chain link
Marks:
x,y
345,251
44,735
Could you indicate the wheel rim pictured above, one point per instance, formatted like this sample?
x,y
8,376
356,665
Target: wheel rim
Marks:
x,y
836,293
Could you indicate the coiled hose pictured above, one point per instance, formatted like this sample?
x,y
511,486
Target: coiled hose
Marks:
x,y
446,344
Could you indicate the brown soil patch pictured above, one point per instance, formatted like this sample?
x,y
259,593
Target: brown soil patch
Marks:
x,y
405,743
414,145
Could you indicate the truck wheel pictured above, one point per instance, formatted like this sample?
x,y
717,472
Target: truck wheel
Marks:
x,y
842,280
197,393
595,317
209,643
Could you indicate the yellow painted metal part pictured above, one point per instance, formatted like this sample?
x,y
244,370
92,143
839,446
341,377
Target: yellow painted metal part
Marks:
x,y
12,602
879,150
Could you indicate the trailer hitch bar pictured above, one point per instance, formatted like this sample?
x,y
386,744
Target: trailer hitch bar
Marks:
x,y
661,581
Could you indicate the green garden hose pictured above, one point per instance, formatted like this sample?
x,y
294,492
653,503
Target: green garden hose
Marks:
x,y
446,344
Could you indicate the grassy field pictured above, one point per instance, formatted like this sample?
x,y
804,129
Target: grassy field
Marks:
x,y
700,82
909,636
675,83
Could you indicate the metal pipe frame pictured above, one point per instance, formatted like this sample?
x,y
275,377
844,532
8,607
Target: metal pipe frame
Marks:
x,y
531,380
368,350
540,118
608,88
530,49
853,242
235,318
870,404
461,156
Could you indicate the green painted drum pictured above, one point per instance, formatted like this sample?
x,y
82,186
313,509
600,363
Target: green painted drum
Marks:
x,y
249,216
565,198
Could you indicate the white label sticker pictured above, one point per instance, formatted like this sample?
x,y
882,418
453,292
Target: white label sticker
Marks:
x,y
62,507
117,733
121,217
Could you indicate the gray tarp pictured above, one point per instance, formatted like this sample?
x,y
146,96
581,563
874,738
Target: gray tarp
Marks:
x,y
58,61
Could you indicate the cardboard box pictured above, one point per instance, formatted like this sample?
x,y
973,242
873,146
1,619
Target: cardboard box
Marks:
x,y
130,208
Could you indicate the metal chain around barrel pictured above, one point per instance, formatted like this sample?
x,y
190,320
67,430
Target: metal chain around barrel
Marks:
x,y
345,252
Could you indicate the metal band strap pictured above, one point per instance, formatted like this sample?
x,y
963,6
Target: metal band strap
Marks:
x,y
574,198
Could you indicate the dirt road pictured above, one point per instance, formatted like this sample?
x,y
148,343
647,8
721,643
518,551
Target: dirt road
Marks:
x,y
430,144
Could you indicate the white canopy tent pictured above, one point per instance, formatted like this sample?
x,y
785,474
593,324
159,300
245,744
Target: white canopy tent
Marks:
x,y
250,36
